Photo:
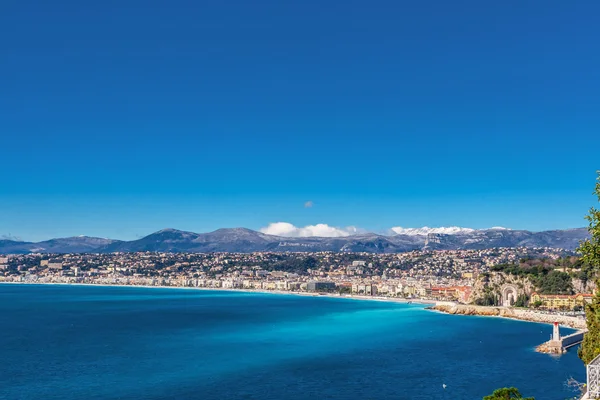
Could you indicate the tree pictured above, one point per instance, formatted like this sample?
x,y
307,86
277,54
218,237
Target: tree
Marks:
x,y
554,282
507,394
522,300
345,290
590,254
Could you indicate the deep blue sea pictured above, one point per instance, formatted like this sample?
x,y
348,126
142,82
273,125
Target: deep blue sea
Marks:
x,y
86,342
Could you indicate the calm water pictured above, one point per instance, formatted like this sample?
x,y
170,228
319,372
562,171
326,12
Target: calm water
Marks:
x,y
76,342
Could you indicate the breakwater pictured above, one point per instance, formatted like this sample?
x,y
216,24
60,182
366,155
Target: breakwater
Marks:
x,y
561,344
508,312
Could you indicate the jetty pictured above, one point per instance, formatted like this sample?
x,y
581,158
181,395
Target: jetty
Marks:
x,y
559,344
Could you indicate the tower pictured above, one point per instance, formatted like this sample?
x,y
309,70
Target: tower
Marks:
x,y
555,332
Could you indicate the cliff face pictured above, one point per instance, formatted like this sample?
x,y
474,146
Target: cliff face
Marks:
x,y
521,314
496,283
583,287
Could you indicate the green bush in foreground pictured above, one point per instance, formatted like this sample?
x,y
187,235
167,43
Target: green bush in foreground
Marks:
x,y
590,252
506,394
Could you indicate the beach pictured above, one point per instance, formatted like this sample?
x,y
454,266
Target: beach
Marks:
x,y
439,306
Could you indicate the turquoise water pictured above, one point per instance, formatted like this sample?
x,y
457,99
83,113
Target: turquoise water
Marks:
x,y
86,342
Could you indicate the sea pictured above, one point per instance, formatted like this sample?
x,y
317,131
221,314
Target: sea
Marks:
x,y
98,342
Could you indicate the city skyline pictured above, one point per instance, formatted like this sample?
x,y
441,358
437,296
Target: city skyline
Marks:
x,y
121,120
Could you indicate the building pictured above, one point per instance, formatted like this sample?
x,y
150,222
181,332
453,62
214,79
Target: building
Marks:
x,y
314,286
442,293
561,301
354,270
451,293
232,283
365,289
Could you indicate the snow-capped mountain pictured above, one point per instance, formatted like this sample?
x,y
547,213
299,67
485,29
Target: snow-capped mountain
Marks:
x,y
424,231
246,240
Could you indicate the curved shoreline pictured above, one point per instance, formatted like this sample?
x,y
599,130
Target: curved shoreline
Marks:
x,y
282,292
512,313
440,306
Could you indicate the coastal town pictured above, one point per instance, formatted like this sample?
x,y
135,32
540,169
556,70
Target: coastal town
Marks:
x,y
426,275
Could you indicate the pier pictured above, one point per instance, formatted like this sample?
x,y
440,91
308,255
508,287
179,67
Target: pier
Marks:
x,y
559,344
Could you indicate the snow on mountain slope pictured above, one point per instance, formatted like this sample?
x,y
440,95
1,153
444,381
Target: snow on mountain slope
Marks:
x,y
424,231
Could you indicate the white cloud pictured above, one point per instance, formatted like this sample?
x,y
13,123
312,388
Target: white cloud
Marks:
x,y
318,230
309,204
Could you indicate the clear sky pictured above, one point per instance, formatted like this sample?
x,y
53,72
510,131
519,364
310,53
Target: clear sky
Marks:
x,y
119,118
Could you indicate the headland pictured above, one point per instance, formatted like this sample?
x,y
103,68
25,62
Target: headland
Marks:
x,y
511,312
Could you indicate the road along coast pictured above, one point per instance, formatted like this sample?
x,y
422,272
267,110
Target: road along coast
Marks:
x,y
509,312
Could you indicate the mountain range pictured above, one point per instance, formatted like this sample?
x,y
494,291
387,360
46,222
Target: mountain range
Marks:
x,y
244,240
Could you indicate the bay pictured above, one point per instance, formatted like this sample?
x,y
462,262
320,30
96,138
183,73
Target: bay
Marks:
x,y
94,342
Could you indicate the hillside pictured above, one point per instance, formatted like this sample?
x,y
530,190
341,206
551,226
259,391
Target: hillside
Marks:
x,y
247,240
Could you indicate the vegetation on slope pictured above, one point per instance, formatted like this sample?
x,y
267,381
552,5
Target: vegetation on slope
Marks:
x,y
543,274
590,252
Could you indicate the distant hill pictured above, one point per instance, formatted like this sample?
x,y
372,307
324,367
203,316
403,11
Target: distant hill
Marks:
x,y
244,240
77,244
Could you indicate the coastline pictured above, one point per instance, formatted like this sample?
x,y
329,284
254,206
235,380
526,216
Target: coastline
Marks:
x,y
511,313
446,307
282,292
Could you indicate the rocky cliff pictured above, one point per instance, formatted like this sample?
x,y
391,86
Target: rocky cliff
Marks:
x,y
499,286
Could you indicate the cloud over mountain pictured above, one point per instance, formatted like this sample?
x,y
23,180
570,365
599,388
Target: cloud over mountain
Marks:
x,y
318,230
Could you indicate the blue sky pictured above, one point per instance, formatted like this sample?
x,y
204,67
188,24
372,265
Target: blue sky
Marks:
x,y
119,118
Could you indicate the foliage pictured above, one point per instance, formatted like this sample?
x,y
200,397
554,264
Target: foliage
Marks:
x,y
590,249
590,254
298,264
537,304
506,394
489,298
522,300
586,273
538,266
345,290
542,274
554,282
